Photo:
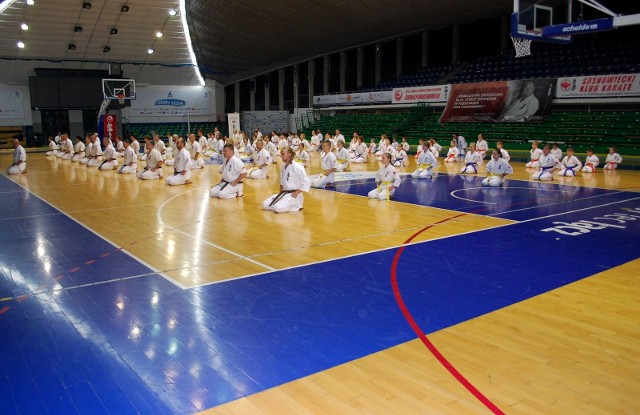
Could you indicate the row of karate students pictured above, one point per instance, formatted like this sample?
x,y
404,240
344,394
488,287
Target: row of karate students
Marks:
x,y
570,165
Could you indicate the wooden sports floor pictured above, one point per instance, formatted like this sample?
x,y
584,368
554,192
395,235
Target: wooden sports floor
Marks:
x,y
125,296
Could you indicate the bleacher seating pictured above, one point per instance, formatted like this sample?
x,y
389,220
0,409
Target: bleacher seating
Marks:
x,y
7,134
585,56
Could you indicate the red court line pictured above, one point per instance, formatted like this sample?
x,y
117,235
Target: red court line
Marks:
x,y
416,328
4,309
91,261
22,298
76,269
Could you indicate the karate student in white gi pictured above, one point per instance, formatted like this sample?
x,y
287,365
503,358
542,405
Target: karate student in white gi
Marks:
x,y
570,164
182,166
426,162
130,162
481,147
591,162
110,156
536,153
153,170
261,161
503,153
159,145
471,160
302,156
19,158
78,150
233,173
88,146
66,148
195,152
548,165
329,166
612,160
452,154
360,152
497,168
293,181
53,147
342,154
96,152
387,180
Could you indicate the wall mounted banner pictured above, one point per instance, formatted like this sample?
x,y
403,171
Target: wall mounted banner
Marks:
x,y
502,101
110,126
415,94
599,86
234,122
356,98
170,100
11,103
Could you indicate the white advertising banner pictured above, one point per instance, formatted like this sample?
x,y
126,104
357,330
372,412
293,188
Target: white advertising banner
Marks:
x,y
415,94
11,103
356,98
598,86
234,122
171,100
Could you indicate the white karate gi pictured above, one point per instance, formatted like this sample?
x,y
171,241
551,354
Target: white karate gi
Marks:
x,y
547,164
590,164
231,170
292,177
329,161
426,162
19,161
147,173
130,162
471,162
182,169
536,153
386,177
612,161
496,168
570,166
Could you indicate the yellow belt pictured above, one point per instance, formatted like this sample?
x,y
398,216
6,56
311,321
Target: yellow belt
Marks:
x,y
424,166
386,184
342,161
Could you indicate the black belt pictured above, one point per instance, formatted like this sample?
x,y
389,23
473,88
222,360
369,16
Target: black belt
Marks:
x,y
279,196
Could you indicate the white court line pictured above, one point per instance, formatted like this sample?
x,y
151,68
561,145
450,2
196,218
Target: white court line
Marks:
x,y
417,242
204,241
155,270
505,188
553,204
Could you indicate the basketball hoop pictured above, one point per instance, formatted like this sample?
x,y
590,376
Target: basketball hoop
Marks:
x,y
522,46
120,98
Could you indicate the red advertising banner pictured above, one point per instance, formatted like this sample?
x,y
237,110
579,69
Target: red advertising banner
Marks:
x,y
597,86
433,93
110,126
503,101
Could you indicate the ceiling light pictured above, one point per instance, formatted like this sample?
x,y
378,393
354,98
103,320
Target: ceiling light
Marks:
x,y
24,26
159,34
150,51
72,46
86,5
106,49
187,36
5,5
77,29
20,44
31,2
172,12
124,8
114,31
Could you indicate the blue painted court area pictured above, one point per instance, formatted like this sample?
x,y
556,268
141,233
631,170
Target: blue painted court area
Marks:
x,y
143,345
517,200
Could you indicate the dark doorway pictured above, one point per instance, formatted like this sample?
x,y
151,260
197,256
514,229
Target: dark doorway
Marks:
x,y
54,122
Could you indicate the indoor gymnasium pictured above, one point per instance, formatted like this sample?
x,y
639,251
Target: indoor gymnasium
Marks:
x,y
340,207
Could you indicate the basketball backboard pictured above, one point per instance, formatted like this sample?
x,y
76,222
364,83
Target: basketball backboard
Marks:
x,y
530,17
558,20
119,89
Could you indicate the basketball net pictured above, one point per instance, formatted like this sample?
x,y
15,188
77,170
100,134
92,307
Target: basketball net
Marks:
x,y
120,98
522,46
